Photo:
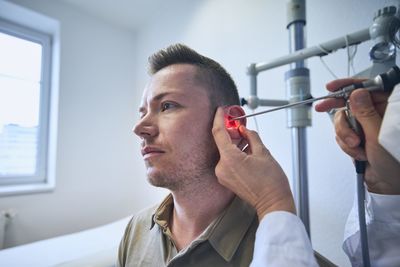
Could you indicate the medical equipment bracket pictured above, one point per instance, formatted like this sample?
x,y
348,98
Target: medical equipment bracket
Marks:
x,y
382,32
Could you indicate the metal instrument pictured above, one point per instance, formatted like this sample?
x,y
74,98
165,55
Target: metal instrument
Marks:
x,y
384,82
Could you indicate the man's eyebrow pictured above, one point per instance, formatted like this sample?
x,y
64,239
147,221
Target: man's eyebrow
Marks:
x,y
162,95
158,98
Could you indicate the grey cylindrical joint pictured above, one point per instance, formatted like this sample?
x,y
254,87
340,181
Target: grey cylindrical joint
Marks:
x,y
296,11
251,69
298,89
252,102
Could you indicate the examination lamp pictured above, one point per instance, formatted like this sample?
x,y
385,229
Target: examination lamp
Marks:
x,y
383,32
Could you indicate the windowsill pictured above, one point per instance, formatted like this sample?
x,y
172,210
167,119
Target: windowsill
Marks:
x,y
23,189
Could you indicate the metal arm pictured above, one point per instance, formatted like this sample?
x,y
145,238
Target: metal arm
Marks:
x,y
382,32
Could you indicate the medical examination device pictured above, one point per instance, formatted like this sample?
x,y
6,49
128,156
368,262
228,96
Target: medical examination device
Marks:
x,y
384,82
384,35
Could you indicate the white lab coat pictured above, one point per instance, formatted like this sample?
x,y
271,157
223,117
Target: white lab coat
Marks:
x,y
390,129
383,226
281,239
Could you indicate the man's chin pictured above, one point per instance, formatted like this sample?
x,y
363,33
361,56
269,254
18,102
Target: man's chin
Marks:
x,y
156,179
161,181
155,182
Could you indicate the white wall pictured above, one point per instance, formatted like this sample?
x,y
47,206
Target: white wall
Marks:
x,y
100,175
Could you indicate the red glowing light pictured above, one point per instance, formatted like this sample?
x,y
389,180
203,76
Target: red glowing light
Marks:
x,y
229,123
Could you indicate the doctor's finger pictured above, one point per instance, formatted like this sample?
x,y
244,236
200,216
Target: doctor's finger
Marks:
x,y
344,131
357,152
340,83
365,112
256,145
328,104
221,135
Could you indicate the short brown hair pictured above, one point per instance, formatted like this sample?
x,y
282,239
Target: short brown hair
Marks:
x,y
221,87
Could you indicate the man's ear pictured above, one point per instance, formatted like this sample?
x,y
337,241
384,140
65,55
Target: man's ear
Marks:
x,y
236,111
232,126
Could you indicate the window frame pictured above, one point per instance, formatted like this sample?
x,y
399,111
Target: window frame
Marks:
x,y
44,31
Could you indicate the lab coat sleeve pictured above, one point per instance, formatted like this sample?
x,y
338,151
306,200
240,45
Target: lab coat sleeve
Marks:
x,y
281,240
383,228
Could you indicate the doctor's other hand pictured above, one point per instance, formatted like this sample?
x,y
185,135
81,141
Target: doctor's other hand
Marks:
x,y
383,171
253,174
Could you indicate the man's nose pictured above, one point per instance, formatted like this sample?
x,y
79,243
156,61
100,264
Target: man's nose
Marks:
x,y
145,127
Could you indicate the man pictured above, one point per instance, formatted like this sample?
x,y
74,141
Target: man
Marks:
x,y
201,223
275,246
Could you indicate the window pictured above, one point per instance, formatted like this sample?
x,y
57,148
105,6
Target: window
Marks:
x,y
28,101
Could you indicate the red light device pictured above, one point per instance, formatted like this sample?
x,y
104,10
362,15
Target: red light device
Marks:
x,y
229,123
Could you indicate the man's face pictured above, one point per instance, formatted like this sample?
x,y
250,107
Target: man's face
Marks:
x,y
175,128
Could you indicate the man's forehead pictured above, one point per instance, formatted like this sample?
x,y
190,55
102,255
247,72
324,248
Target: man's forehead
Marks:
x,y
156,93
177,79
155,90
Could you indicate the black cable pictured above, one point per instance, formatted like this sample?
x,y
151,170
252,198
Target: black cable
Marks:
x,y
360,169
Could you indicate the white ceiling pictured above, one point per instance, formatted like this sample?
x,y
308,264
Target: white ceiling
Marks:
x,y
129,14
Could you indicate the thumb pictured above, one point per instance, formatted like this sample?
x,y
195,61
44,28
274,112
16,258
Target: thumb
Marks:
x,y
256,145
364,110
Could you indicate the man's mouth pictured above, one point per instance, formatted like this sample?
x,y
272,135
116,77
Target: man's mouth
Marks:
x,y
150,151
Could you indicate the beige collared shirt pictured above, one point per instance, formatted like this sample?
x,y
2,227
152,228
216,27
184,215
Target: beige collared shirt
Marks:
x,y
227,241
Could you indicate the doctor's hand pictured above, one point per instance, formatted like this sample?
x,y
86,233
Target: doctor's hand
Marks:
x,y
253,174
382,173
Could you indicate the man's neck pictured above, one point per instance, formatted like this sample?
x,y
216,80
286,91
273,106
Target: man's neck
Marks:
x,y
194,211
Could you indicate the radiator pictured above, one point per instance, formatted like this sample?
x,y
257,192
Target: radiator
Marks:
x,y
5,218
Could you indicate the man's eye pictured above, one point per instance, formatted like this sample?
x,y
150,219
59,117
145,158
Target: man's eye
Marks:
x,y
167,105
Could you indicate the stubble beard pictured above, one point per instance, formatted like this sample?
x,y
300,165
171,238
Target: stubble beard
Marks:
x,y
189,174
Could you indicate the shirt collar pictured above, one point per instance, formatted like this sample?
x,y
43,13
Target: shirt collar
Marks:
x,y
163,212
225,233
